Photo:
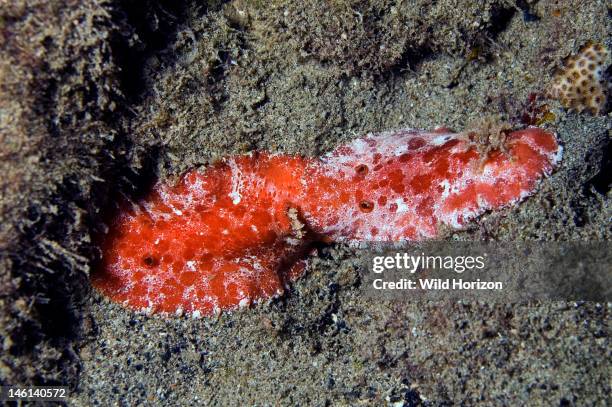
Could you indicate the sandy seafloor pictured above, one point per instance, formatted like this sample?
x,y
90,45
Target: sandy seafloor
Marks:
x,y
178,86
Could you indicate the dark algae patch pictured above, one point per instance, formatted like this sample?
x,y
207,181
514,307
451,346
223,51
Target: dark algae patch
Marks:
x,y
58,94
100,98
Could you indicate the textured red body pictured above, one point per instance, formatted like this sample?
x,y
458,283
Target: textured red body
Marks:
x,y
237,232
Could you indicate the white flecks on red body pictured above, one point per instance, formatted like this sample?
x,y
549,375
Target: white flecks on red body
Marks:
x,y
238,231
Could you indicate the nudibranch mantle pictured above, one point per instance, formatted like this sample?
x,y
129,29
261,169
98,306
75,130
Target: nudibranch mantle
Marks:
x,y
239,230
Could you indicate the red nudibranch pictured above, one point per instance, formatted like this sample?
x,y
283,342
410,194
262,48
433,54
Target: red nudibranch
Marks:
x,y
238,231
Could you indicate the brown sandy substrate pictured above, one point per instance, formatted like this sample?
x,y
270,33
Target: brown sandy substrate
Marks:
x,y
97,98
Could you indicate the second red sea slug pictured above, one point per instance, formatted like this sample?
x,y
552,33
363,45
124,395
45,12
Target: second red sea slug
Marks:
x,y
238,231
